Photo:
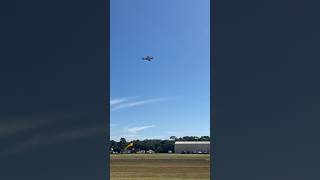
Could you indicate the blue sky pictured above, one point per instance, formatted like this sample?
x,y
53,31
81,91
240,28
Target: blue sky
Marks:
x,y
170,95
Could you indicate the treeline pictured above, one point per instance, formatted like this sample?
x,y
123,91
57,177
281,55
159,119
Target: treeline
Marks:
x,y
156,145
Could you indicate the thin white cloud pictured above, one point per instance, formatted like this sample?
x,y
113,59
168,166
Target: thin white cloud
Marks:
x,y
117,101
135,130
122,103
137,103
130,133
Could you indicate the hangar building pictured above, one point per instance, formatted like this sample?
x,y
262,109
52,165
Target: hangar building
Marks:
x,y
192,147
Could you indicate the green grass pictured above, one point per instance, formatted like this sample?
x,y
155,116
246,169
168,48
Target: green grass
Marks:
x,y
160,166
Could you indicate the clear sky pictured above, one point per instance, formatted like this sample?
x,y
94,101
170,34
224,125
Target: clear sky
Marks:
x,y
170,95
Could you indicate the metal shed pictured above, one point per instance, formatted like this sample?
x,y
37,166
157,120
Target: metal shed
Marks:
x,y
192,147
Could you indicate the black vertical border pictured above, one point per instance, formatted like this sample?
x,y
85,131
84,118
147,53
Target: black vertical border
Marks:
x,y
212,93
107,83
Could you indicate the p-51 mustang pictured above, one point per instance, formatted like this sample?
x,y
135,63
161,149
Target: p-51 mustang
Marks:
x,y
148,58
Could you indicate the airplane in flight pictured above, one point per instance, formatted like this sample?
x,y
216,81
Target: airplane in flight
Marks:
x,y
148,58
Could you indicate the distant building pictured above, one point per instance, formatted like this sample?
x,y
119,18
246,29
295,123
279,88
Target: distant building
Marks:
x,y
126,152
141,152
188,147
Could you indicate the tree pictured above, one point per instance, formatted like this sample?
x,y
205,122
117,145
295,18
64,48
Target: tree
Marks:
x,y
166,146
204,138
173,138
113,144
122,144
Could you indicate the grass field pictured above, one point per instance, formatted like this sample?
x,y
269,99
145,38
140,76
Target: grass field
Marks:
x,y
160,166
